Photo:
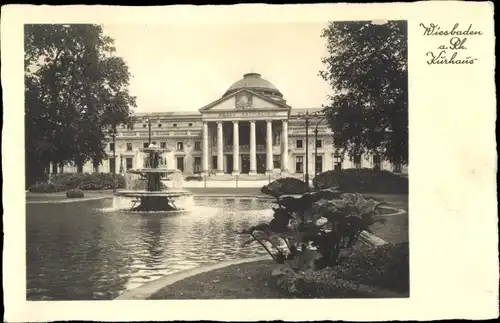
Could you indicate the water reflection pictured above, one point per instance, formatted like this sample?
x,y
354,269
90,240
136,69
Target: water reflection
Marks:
x,y
76,251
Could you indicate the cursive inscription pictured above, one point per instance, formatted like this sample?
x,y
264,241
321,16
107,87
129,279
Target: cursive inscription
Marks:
x,y
453,51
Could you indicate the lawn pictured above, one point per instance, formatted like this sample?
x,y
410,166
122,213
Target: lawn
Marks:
x,y
365,273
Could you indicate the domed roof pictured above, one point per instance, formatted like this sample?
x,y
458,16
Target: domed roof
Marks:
x,y
253,81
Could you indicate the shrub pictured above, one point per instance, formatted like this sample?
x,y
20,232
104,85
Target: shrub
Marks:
x,y
385,267
362,181
285,186
83,181
45,187
308,232
193,178
74,193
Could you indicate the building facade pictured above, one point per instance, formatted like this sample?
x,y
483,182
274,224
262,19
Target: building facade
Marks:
x,y
249,130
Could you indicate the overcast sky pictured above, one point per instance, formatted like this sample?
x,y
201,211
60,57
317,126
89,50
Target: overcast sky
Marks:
x,y
184,67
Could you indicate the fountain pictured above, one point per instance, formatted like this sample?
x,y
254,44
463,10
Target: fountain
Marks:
x,y
154,198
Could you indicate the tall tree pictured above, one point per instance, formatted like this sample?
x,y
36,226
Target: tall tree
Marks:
x,y
76,90
366,68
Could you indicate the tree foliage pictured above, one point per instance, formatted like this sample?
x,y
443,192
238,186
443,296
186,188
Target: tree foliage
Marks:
x,y
366,67
76,93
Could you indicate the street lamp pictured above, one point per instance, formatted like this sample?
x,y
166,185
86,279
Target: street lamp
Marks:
x,y
149,130
121,163
113,136
323,117
307,116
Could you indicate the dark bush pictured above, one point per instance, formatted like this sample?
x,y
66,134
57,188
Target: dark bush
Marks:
x,y
74,193
83,181
362,180
285,186
193,178
45,187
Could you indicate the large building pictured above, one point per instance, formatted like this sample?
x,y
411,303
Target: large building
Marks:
x,y
249,130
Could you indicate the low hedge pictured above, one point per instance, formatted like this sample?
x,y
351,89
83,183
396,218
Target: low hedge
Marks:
x,y
83,181
364,180
193,178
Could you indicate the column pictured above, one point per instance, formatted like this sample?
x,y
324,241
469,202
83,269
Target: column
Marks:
x,y
253,150
220,149
204,166
269,147
236,148
284,147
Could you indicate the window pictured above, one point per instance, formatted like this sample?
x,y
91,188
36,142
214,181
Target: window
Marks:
x,y
112,165
277,161
197,145
319,164
319,143
190,124
129,146
299,164
145,145
180,163
357,161
175,125
128,163
197,165
111,146
163,144
299,143
376,162
180,145
159,125
337,161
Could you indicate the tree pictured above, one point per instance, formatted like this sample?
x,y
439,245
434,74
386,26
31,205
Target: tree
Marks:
x,y
76,91
366,68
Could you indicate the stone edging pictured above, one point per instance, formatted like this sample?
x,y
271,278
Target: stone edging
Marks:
x,y
68,200
146,290
262,197
373,240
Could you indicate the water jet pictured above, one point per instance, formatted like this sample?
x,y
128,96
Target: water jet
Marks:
x,y
155,197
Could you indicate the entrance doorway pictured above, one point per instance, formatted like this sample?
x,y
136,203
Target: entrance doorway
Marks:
x,y
245,164
261,163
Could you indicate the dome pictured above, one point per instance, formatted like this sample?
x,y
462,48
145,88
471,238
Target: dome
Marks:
x,y
254,82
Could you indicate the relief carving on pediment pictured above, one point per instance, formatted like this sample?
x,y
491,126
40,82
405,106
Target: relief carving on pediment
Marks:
x,y
244,101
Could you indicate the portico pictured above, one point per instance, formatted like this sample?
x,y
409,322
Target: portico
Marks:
x,y
245,147
245,132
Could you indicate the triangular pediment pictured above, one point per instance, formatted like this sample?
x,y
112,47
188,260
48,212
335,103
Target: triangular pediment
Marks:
x,y
244,100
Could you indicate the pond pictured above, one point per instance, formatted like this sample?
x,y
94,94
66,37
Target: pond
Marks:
x,y
84,251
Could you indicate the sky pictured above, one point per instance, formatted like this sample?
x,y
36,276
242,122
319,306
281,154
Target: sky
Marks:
x,y
183,67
